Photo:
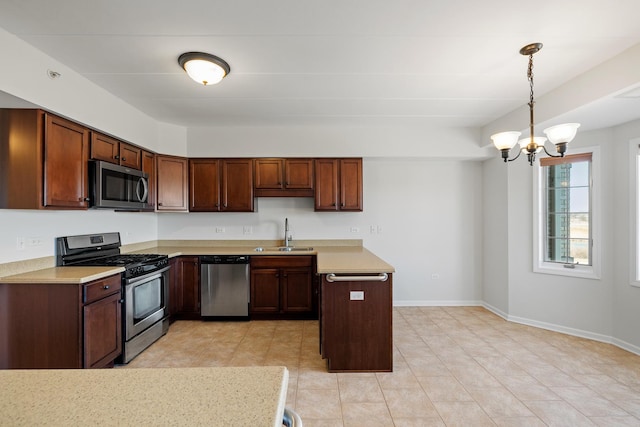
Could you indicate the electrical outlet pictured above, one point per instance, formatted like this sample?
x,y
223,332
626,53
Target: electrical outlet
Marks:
x,y
373,229
247,229
220,230
34,241
379,229
435,276
20,243
355,230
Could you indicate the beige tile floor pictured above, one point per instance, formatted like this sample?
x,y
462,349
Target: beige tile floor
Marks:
x,y
453,366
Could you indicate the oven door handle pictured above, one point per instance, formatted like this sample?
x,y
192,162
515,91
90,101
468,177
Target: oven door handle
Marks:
x,y
146,277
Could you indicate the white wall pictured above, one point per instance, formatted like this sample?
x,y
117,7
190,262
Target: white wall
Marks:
x,y
404,139
45,226
76,98
495,241
580,306
626,298
427,216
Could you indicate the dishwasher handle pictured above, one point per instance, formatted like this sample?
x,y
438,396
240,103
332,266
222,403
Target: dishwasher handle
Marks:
x,y
224,259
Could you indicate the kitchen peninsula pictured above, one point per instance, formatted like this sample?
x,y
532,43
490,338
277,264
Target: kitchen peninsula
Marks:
x,y
353,288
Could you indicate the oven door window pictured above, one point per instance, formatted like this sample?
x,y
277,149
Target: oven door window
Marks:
x,y
147,298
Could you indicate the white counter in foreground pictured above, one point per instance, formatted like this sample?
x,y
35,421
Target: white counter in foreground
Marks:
x,y
243,396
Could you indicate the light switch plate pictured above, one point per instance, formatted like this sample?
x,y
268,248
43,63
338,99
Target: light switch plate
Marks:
x,y
356,295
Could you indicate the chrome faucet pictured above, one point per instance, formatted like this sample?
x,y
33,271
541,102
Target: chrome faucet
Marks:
x,y
287,237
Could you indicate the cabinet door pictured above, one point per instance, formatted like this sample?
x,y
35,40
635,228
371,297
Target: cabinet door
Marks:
x,y
237,185
130,156
269,174
357,335
298,174
105,148
296,290
204,185
351,184
66,156
102,331
326,185
172,193
265,290
149,166
188,288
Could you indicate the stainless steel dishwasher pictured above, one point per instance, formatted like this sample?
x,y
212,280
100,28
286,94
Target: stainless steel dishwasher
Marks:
x,y
224,286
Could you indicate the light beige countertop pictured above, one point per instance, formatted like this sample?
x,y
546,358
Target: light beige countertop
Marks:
x,y
339,257
244,396
63,275
330,259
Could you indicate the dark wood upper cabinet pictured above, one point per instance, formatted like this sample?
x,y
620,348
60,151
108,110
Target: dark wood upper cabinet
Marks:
x,y
44,165
221,185
43,161
269,174
172,183
204,185
338,184
66,155
149,167
284,177
111,150
237,185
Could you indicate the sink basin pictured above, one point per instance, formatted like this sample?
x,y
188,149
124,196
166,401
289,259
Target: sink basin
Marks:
x,y
293,248
285,249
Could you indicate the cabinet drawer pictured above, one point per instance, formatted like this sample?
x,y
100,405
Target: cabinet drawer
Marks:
x,y
101,288
281,261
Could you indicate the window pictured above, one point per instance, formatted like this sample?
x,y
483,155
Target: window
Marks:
x,y
565,232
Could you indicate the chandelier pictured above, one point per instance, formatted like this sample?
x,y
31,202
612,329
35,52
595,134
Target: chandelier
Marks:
x,y
559,135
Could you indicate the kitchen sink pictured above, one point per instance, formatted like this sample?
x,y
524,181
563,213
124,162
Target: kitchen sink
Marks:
x,y
285,249
294,249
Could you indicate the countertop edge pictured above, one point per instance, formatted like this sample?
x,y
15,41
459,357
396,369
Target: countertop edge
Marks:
x,y
329,259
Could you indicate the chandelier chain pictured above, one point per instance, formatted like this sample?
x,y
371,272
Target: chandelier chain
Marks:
x,y
530,77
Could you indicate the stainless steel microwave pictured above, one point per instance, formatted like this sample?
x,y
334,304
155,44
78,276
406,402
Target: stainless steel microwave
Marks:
x,y
117,187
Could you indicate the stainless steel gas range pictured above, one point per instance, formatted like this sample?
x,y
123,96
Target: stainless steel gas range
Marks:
x,y
145,284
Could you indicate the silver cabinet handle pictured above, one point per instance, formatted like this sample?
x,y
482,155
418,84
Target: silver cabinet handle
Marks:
x,y
382,277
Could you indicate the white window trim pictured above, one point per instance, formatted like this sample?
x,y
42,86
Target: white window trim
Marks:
x,y
634,201
583,271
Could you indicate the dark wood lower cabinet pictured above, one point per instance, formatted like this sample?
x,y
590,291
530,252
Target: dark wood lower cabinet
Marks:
x,y
283,287
102,331
54,326
356,325
184,284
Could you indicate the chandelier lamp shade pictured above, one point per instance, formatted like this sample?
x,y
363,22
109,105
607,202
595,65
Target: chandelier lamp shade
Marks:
x,y
204,68
559,135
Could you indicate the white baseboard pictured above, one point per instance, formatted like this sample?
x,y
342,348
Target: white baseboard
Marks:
x,y
565,330
437,303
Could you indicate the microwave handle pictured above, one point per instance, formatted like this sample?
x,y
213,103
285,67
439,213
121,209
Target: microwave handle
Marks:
x,y
145,187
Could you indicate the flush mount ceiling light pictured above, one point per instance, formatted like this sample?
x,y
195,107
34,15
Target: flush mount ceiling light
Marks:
x,y
559,135
204,68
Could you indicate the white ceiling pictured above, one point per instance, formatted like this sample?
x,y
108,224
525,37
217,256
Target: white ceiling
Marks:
x,y
437,62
